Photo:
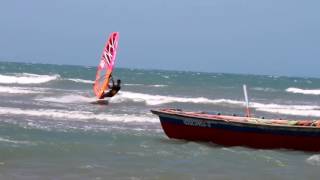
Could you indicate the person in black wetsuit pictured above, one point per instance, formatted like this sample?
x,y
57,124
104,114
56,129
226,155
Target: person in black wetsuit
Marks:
x,y
113,88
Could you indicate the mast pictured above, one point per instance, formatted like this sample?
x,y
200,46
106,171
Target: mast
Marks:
x,y
246,100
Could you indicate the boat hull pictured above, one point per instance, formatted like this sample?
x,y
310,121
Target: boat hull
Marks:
x,y
239,134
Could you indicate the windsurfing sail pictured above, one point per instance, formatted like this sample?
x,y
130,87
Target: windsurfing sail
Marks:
x,y
105,67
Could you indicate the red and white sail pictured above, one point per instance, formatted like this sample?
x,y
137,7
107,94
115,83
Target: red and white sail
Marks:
x,y
105,67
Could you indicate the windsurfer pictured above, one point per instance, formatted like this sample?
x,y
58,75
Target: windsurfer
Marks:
x,y
113,88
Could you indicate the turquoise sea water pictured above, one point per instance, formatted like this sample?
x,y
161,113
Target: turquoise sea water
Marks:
x,y
50,127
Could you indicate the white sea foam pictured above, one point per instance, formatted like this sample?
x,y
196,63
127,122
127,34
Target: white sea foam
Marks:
x,y
314,160
295,112
77,115
279,106
125,96
17,90
303,91
150,85
301,110
134,84
26,78
158,85
67,99
81,81
152,100
14,141
159,99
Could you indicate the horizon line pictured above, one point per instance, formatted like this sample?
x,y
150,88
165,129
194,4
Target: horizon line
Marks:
x,y
160,69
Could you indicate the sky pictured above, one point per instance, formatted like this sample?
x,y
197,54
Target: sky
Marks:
x,y
273,37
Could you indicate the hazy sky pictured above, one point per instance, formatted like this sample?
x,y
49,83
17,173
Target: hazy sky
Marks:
x,y
276,37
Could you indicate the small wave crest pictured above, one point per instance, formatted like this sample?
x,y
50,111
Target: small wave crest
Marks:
x,y
78,115
158,85
134,84
148,99
295,112
81,81
17,90
27,78
303,91
314,160
159,99
153,100
300,110
150,85
67,99
14,141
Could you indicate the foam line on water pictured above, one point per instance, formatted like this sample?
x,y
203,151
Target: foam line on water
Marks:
x,y
149,99
160,99
14,141
27,78
81,81
148,85
158,85
18,90
134,84
125,96
295,112
67,99
78,115
303,91
152,100
301,110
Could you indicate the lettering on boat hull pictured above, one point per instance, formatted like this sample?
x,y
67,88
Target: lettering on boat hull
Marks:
x,y
192,122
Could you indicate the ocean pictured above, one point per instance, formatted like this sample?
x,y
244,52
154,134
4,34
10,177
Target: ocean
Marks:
x,y
51,127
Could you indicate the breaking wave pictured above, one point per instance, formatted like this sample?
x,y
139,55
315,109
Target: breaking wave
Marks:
x,y
295,112
148,99
27,78
304,91
301,110
153,100
78,115
159,99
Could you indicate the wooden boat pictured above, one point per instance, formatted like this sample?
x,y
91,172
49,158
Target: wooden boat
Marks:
x,y
229,130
